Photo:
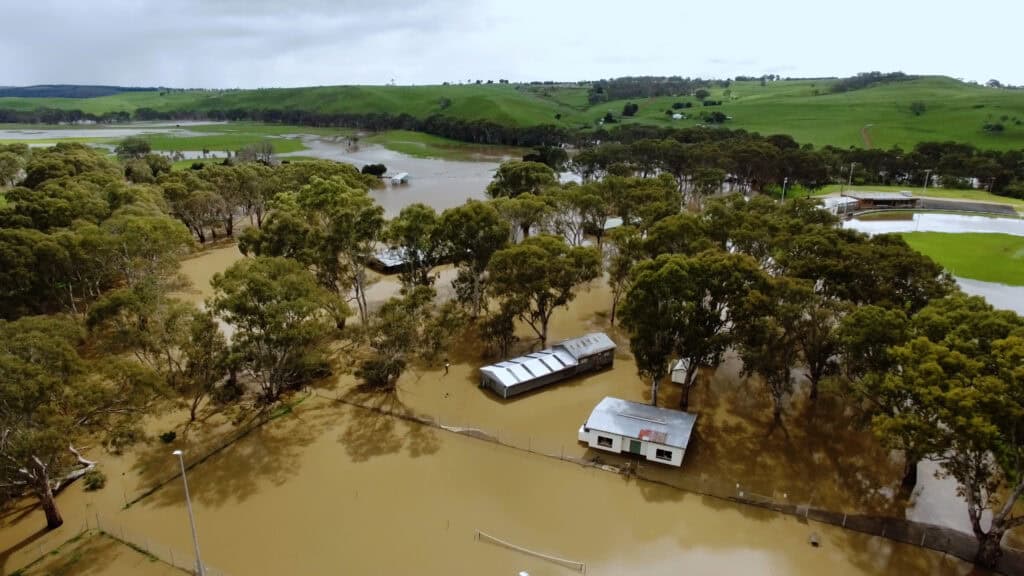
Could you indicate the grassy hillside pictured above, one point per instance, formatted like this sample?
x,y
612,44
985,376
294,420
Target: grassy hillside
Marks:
x,y
806,109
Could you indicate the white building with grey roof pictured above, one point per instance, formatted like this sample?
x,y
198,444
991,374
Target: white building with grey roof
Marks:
x,y
658,434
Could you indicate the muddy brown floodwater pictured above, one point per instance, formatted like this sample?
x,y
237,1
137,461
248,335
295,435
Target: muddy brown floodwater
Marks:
x,y
331,488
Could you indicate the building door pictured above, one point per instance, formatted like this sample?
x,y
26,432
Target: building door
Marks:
x,y
634,447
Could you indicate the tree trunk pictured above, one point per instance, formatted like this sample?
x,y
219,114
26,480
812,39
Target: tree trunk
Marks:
x,y
814,386
989,550
45,493
777,411
654,391
194,407
909,474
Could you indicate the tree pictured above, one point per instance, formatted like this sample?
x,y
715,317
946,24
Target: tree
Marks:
x,y
523,212
701,94
10,168
414,233
818,334
53,398
498,330
132,147
630,109
407,328
281,316
175,340
516,177
625,249
968,412
681,307
377,170
470,234
332,226
539,275
768,333
577,210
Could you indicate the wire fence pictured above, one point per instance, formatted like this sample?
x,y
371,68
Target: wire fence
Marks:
x,y
942,539
939,538
143,544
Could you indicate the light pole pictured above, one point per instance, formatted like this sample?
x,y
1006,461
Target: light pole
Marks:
x,y
784,182
850,183
200,570
927,177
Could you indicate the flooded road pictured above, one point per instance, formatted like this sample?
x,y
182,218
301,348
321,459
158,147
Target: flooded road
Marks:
x,y
883,223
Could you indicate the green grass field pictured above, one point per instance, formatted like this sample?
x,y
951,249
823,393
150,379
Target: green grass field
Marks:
x,y
220,142
987,257
428,146
804,109
951,193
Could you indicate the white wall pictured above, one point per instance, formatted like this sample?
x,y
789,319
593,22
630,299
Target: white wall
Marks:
x,y
621,444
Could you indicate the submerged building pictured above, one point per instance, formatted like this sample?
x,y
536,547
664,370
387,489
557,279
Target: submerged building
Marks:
x,y
563,360
658,434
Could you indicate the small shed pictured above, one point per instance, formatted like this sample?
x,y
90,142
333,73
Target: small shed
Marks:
x,y
388,261
658,434
679,371
564,360
612,222
400,178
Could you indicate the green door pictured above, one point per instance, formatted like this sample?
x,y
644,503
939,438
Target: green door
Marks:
x,y
634,446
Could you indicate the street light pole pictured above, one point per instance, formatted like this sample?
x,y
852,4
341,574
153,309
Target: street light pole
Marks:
x,y
850,183
927,177
784,182
200,570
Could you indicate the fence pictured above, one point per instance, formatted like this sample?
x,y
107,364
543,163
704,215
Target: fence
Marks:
x,y
166,554
938,538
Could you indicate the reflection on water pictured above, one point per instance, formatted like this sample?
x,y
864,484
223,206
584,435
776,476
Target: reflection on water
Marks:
x,y
936,222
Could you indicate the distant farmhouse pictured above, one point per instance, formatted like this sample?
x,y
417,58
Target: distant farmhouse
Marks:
x,y
563,360
658,434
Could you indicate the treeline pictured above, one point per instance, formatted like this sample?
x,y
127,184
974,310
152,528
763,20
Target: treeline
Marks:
x,y
647,87
868,79
474,131
66,91
757,162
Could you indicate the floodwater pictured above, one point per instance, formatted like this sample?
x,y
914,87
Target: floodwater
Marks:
x,y
435,182
934,222
998,295
331,488
122,131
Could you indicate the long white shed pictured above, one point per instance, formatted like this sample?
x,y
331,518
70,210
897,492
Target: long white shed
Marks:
x,y
563,360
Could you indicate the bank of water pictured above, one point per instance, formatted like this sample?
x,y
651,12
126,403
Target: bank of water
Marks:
x,y
898,222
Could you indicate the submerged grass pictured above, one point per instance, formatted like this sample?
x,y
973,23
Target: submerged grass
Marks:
x,y
987,257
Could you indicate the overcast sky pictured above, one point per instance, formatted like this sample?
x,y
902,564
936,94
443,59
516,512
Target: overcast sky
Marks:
x,y
253,43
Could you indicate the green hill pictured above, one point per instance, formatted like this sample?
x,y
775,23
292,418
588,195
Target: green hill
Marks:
x,y
805,109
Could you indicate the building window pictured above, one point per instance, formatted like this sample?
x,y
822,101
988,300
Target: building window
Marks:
x,y
663,454
604,441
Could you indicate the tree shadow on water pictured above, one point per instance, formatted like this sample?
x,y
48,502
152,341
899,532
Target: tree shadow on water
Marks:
x,y
379,423
238,465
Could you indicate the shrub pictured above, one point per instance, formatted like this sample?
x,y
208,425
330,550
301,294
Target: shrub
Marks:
x,y
630,109
917,108
993,127
168,437
377,170
609,118
94,480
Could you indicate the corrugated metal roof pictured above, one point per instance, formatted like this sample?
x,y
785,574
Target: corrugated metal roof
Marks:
x,y
587,345
612,222
881,195
635,420
392,257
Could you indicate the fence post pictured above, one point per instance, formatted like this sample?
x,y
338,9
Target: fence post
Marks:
x,y
844,519
171,550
